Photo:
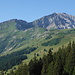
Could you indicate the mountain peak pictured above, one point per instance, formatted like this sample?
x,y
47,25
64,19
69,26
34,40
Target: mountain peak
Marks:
x,y
55,14
56,21
52,21
64,13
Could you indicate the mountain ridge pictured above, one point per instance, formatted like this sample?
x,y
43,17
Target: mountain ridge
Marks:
x,y
17,36
52,21
14,32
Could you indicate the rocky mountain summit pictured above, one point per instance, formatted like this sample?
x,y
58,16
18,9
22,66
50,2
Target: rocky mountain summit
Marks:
x,y
56,21
53,21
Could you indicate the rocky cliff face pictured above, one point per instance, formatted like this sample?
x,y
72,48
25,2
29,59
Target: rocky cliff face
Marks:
x,y
53,21
23,25
56,21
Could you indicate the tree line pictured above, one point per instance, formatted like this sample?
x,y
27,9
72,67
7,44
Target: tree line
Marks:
x,y
15,58
61,62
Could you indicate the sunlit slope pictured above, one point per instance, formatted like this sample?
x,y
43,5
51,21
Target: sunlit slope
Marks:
x,y
12,38
49,39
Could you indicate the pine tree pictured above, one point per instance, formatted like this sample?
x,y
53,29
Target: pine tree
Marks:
x,y
68,49
47,59
33,67
39,66
58,67
45,64
50,70
49,56
70,63
73,72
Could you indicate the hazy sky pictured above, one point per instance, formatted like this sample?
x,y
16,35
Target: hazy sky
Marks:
x,y
30,10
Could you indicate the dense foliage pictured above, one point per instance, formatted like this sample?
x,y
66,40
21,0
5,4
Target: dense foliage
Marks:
x,y
10,60
15,58
54,41
59,63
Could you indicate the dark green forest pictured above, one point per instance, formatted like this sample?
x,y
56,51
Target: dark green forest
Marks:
x,y
54,41
15,58
58,63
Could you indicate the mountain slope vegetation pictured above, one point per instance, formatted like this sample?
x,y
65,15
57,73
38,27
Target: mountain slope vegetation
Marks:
x,y
26,39
61,62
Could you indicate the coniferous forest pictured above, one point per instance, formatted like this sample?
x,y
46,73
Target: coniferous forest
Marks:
x,y
15,58
58,63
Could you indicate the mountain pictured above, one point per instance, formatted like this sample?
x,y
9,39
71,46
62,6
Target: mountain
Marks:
x,y
15,34
53,21
20,24
56,21
20,38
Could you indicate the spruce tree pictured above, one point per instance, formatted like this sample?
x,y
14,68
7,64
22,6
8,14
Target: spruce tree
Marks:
x,y
73,72
47,59
49,56
58,67
70,63
34,67
50,70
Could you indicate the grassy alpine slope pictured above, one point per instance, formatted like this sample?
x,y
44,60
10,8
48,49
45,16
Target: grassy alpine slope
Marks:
x,y
13,40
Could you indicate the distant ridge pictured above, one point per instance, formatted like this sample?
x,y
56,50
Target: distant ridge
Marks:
x,y
53,21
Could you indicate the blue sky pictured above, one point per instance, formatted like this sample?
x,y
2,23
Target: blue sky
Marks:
x,y
30,10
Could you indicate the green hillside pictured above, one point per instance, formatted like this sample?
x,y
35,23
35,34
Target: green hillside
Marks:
x,y
13,40
61,62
